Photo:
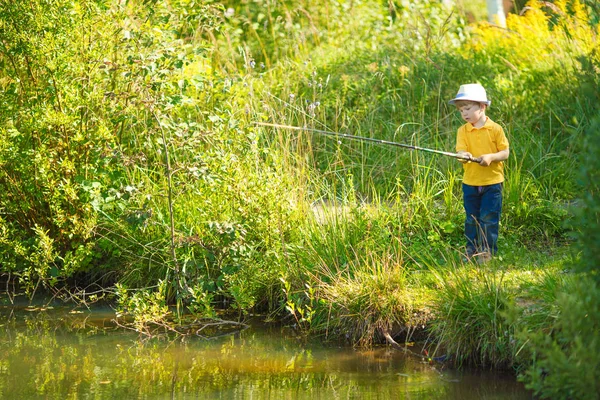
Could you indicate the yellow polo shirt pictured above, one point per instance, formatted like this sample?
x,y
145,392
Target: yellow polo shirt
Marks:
x,y
490,138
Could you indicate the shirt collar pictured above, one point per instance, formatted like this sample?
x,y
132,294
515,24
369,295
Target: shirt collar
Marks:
x,y
488,124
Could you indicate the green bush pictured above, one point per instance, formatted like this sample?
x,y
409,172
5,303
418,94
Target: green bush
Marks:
x,y
566,363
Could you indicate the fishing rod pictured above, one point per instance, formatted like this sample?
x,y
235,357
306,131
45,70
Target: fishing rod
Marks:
x,y
366,139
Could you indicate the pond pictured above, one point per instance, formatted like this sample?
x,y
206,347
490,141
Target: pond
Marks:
x,y
59,353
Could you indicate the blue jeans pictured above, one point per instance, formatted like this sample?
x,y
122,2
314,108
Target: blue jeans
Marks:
x,y
483,205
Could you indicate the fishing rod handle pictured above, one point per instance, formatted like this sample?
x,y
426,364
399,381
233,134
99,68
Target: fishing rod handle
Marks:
x,y
468,158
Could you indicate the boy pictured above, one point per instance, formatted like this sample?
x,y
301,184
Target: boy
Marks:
x,y
483,139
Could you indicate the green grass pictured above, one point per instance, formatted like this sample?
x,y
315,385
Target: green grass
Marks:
x,y
479,311
366,280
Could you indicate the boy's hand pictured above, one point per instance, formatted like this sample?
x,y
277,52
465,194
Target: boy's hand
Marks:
x,y
466,154
486,159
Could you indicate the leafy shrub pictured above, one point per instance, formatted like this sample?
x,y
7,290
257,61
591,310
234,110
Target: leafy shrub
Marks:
x,y
51,141
566,363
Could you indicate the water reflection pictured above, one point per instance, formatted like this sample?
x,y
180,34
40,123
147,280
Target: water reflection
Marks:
x,y
53,353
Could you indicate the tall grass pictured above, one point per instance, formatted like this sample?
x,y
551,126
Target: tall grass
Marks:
x,y
469,320
483,316
370,296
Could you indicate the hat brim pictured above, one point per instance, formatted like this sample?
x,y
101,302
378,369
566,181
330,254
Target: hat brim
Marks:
x,y
487,102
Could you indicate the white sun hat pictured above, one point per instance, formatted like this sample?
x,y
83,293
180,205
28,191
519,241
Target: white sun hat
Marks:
x,y
471,92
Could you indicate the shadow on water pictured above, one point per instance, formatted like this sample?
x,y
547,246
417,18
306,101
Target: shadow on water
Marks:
x,y
58,353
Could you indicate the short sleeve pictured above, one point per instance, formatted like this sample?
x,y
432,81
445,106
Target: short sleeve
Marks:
x,y
501,140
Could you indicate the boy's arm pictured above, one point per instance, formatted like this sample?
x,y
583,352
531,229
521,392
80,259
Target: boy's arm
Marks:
x,y
487,159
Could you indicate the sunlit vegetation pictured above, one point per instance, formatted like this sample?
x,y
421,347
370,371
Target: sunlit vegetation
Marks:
x,y
131,169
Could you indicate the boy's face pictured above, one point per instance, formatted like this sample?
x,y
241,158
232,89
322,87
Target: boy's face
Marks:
x,y
471,111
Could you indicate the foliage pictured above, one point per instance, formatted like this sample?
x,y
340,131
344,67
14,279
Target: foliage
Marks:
x,y
116,140
587,213
486,315
144,306
300,305
54,138
566,362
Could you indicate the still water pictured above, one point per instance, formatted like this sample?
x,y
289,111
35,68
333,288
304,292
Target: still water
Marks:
x,y
59,353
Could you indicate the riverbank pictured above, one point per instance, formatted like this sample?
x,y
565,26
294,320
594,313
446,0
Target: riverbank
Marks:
x,y
477,314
